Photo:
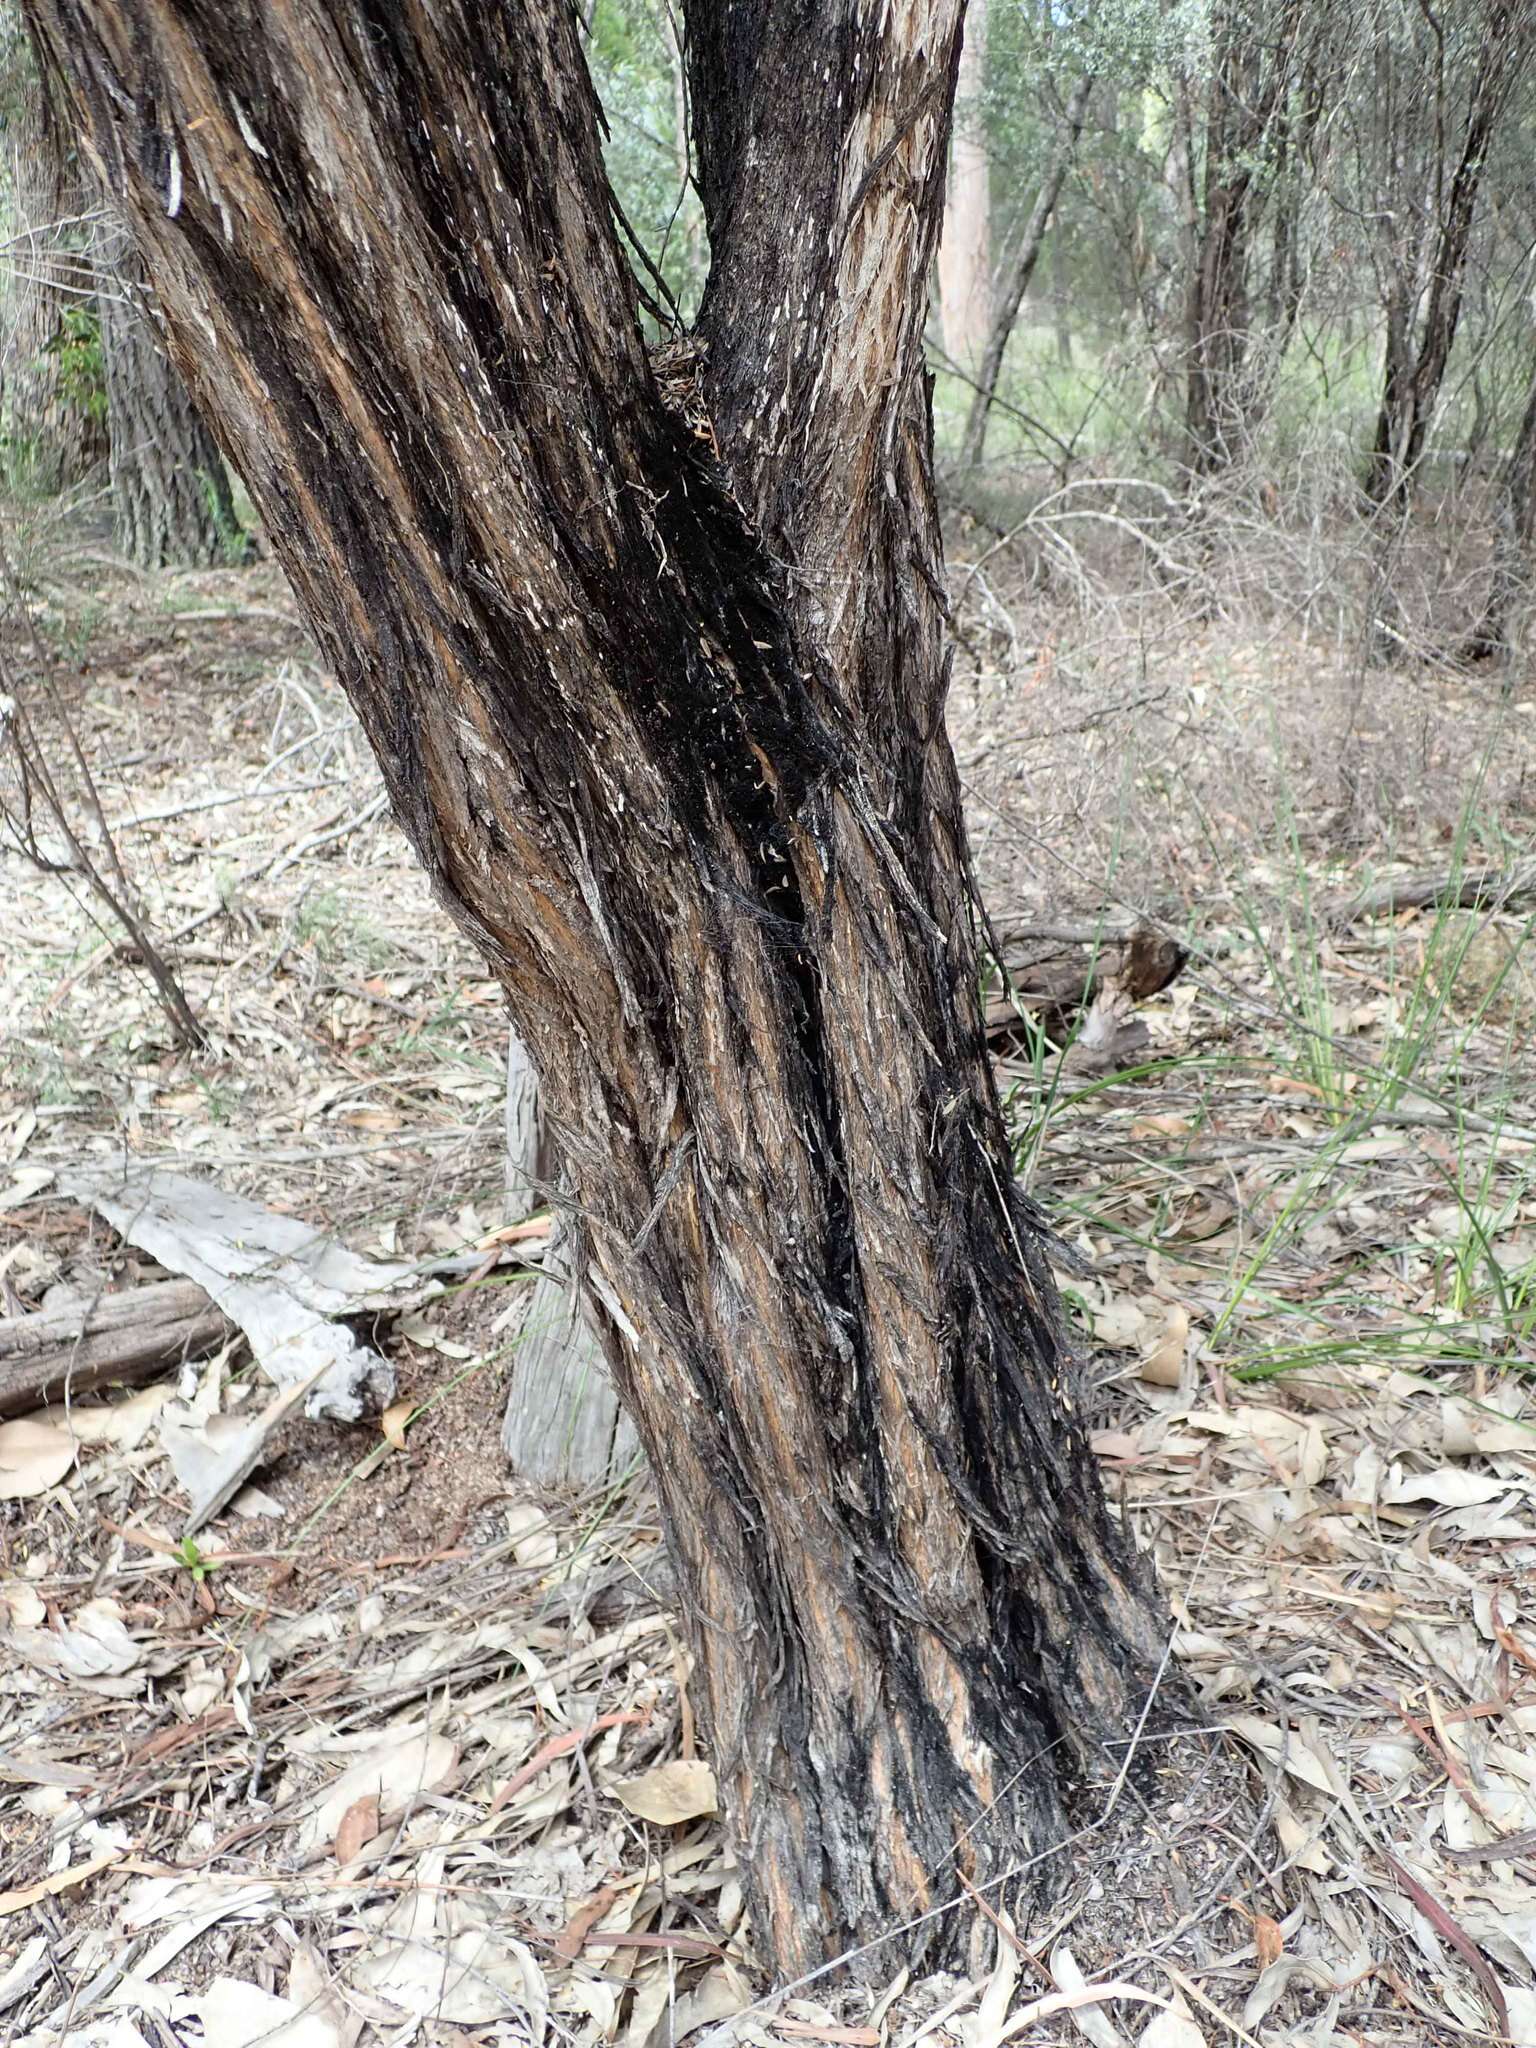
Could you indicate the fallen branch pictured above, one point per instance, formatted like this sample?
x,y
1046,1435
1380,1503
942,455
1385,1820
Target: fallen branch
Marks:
x,y
1466,889
122,1339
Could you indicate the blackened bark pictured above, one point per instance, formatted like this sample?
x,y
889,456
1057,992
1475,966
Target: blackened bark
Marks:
x,y
1020,268
668,734
171,501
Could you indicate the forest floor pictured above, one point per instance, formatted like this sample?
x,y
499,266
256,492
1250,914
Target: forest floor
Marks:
x,y
362,1762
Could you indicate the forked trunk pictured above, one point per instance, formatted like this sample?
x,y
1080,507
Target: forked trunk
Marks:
x,y
1417,361
668,733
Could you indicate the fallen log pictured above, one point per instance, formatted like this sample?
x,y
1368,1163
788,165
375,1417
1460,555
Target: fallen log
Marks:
x,y
125,1338
1511,888
1054,972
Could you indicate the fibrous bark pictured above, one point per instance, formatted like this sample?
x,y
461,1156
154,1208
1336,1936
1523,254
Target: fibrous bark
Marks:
x,y
655,673
171,500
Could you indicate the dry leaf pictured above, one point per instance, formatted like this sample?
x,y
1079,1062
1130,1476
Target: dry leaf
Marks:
x,y
394,1419
1163,1365
371,1119
1268,1939
671,1793
1449,1488
359,1825
60,1881
23,1603
239,2015
1120,1324
1172,2030
34,1455
395,1773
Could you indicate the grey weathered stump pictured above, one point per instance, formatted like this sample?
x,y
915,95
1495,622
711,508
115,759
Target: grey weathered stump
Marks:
x,y
563,1425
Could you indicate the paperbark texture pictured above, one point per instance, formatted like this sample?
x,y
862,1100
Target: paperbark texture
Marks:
x,y
668,733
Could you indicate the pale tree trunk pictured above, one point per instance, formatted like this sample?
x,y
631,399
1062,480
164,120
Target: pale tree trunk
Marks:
x,y
1020,268
965,245
563,1424
171,500
669,737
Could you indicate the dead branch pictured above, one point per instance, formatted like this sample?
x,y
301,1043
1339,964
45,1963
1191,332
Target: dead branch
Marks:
x,y
121,1339
1511,888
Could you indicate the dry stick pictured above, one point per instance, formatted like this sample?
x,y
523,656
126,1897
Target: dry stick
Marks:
x,y
219,799
275,864
35,772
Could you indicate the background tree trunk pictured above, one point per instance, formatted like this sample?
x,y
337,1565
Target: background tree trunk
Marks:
x,y
965,246
1502,631
55,435
669,737
1256,66
1021,268
171,499
1416,360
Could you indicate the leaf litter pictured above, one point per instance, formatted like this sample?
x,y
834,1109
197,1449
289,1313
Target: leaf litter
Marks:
x,y
395,1751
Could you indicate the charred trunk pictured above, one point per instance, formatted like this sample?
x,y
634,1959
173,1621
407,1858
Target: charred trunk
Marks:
x,y
667,729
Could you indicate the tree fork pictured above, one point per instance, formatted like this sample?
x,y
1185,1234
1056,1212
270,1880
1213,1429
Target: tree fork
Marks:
x,y
667,732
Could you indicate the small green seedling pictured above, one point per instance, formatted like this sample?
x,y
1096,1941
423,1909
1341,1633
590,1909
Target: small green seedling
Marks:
x,y
188,1555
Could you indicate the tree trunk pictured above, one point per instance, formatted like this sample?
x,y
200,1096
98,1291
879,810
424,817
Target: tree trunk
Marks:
x,y
1021,268
1501,633
965,246
51,414
171,500
1256,63
1416,364
668,734
1061,304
